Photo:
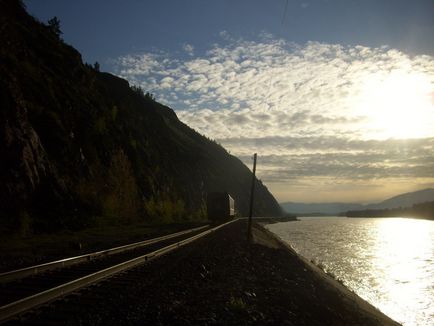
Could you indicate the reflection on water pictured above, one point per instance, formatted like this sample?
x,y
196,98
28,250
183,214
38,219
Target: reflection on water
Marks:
x,y
387,261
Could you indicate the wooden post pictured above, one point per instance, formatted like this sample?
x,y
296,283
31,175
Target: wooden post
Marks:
x,y
252,192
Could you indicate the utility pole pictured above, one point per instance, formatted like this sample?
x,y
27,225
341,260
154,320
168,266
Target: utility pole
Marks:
x,y
252,192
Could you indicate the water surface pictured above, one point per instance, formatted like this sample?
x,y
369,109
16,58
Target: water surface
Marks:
x,y
387,261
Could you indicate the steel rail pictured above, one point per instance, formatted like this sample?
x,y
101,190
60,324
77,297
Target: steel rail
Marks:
x,y
15,308
37,269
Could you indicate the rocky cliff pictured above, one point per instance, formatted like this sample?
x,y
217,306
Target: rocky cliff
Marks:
x,y
80,147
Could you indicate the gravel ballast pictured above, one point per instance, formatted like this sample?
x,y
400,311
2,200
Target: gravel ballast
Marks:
x,y
220,280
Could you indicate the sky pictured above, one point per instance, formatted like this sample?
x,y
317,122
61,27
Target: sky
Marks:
x,y
335,96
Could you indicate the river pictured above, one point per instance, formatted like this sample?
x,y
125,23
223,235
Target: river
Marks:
x,y
389,262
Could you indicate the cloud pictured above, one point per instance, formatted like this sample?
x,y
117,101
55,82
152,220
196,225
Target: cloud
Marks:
x,y
312,111
139,65
188,48
286,158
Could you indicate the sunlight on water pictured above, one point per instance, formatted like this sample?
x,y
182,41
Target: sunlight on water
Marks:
x,y
387,261
401,244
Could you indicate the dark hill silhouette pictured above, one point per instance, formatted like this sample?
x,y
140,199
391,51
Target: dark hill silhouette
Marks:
x,y
422,210
403,200
80,147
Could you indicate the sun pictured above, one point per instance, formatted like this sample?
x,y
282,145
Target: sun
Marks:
x,y
397,104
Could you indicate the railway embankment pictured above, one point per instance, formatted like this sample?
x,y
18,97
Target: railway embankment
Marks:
x,y
218,279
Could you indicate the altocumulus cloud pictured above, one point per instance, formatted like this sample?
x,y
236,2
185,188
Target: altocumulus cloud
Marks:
x,y
297,105
188,48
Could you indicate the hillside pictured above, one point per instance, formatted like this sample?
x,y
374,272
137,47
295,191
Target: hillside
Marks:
x,y
80,147
403,200
423,210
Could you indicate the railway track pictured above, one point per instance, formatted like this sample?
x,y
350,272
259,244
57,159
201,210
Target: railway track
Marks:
x,y
26,289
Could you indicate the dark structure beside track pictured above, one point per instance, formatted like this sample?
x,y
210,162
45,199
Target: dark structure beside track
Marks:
x,y
220,206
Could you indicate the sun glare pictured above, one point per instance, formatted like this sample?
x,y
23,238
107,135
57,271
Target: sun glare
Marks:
x,y
397,105
400,244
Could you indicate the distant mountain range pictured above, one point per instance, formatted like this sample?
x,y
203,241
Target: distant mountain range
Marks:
x,y
402,200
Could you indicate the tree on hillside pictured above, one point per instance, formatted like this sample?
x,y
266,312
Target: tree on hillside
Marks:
x,y
139,90
96,66
54,26
150,96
